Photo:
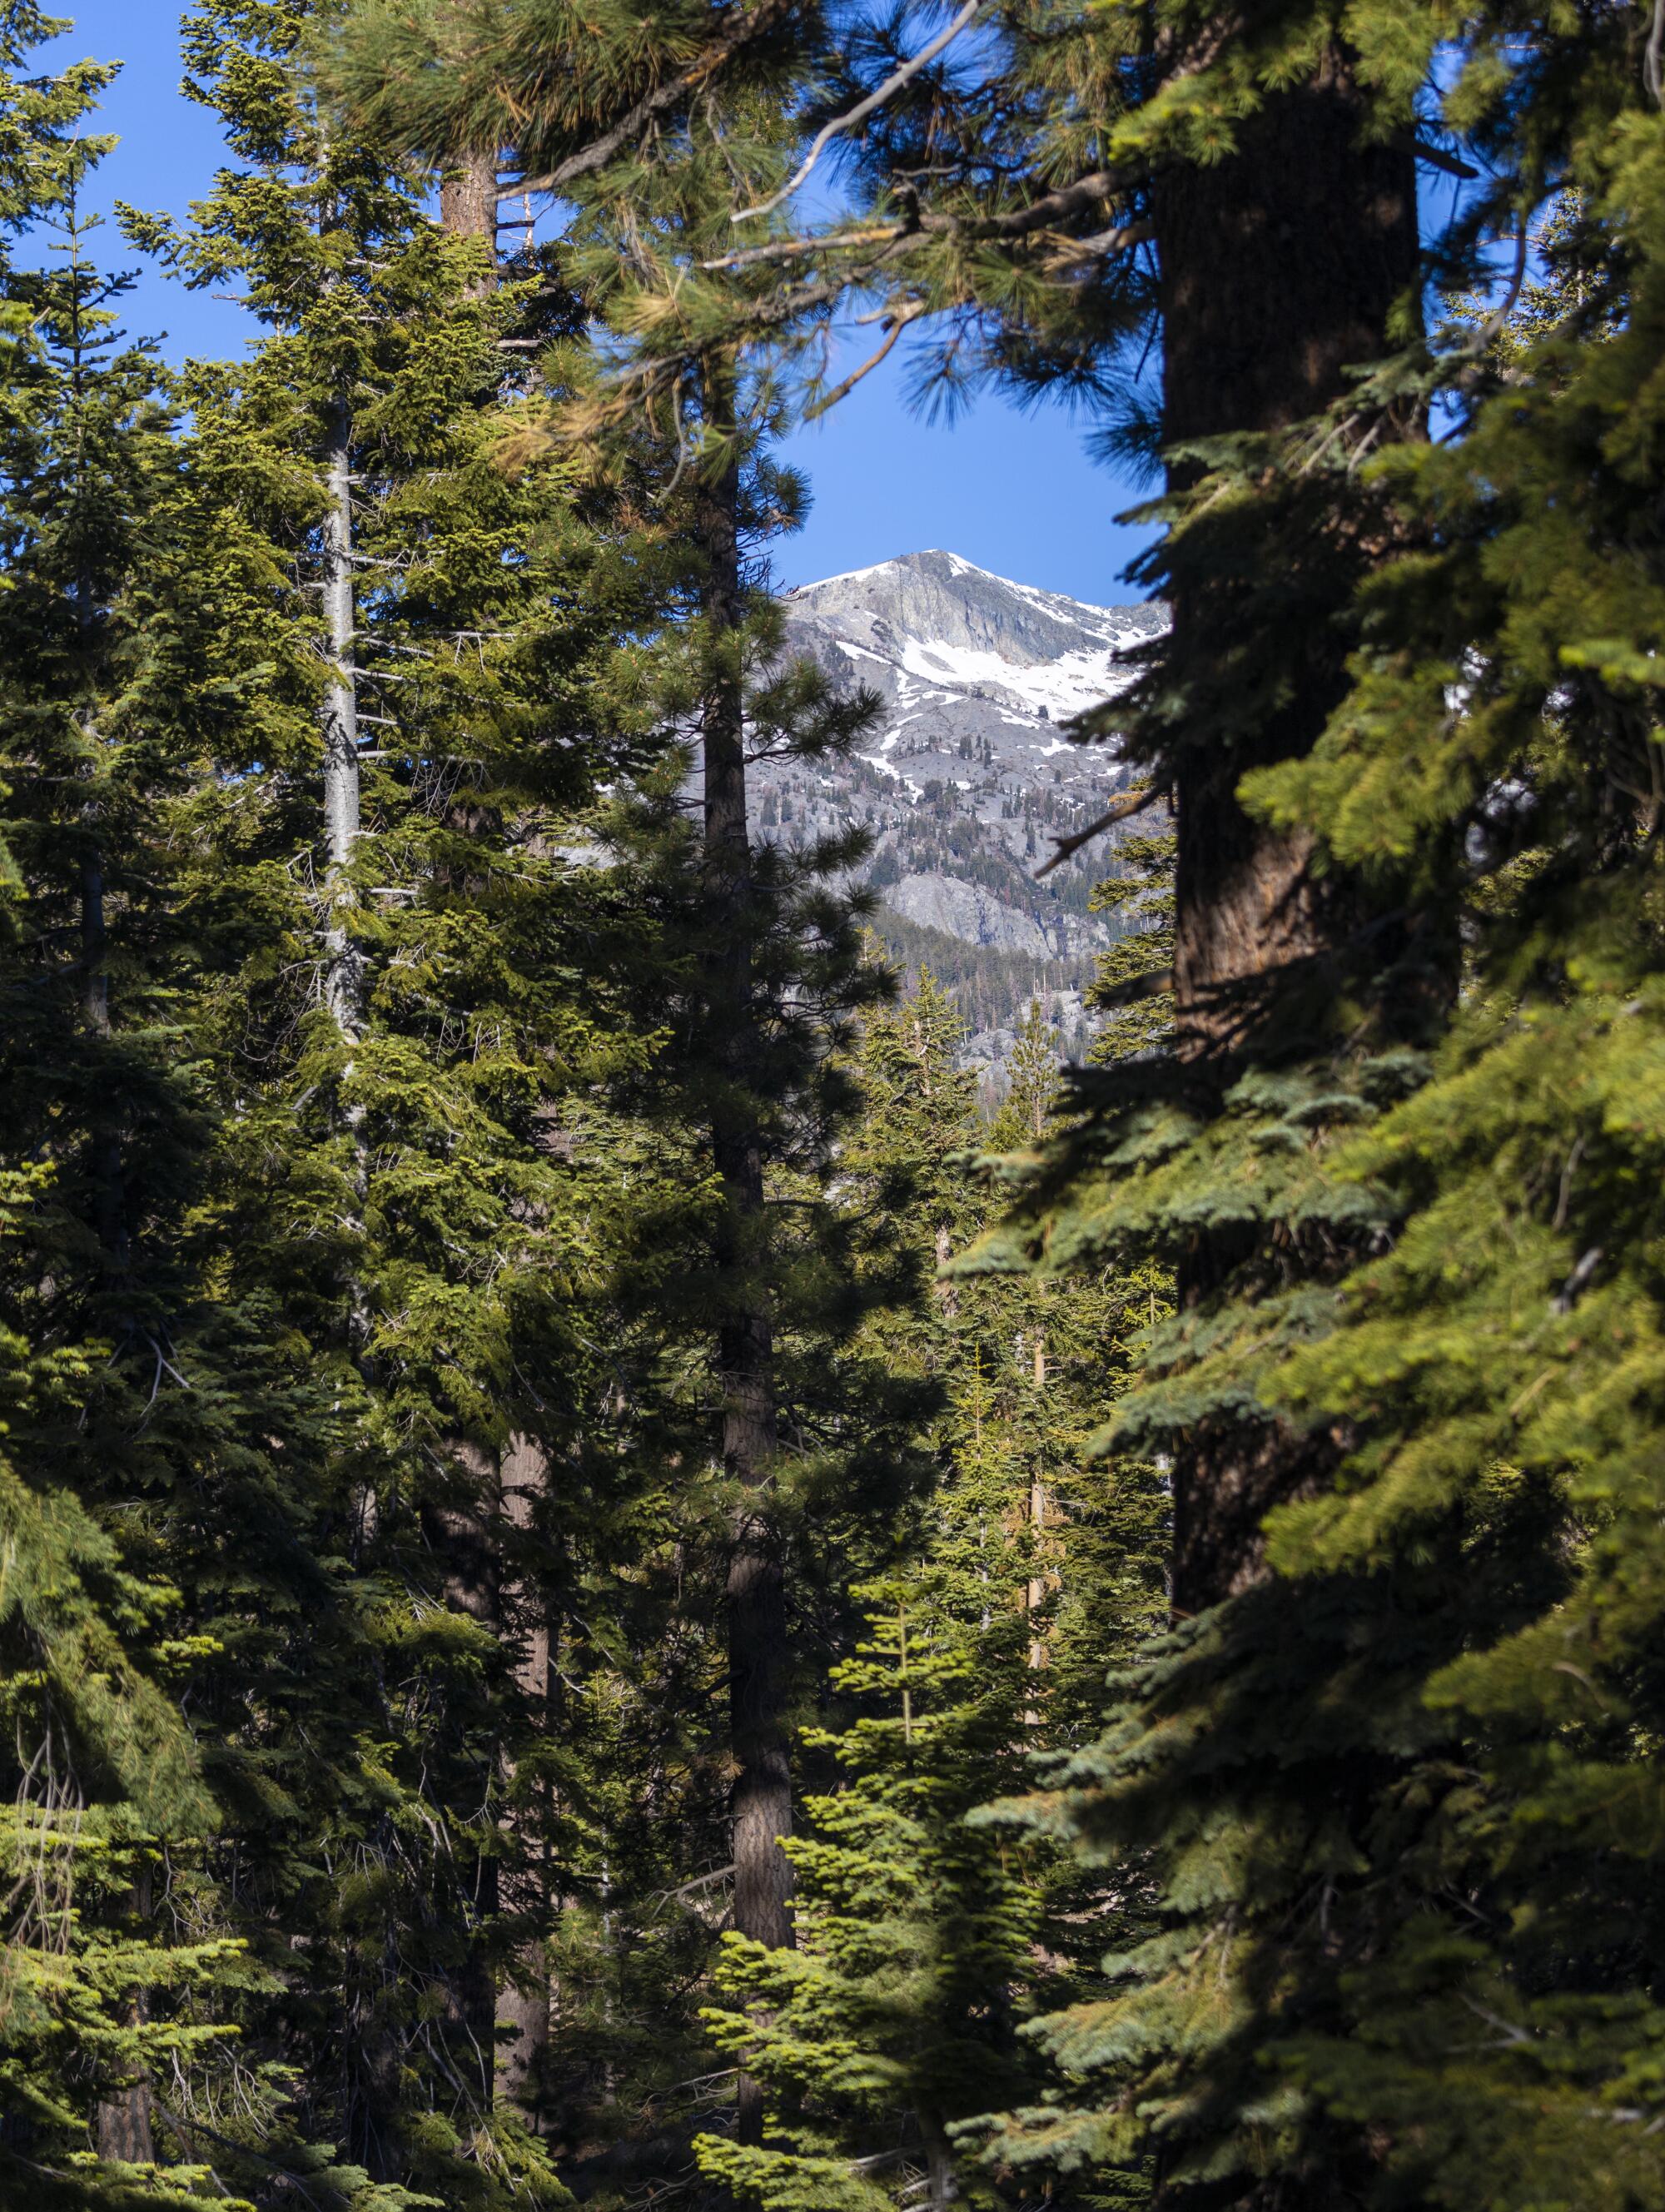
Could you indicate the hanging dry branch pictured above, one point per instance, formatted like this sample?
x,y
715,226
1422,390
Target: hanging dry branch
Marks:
x,y
1131,802
894,325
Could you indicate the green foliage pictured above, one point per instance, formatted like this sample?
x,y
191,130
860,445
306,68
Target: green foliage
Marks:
x,y
924,1940
1401,1787
370,1223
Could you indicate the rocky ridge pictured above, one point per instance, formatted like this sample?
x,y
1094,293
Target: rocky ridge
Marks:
x,y
966,776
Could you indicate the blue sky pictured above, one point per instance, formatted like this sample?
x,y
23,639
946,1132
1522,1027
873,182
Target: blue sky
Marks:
x,y
1013,492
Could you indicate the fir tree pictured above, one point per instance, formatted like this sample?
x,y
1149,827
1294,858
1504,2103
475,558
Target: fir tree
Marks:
x,y
399,1032
926,1941
762,1007
117,1961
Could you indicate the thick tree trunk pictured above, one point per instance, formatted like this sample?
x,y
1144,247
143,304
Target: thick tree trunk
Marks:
x,y
1279,267
468,205
761,1798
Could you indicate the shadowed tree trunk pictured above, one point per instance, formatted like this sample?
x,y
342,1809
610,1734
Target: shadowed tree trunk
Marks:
x,y
523,2005
1279,267
124,2129
761,1798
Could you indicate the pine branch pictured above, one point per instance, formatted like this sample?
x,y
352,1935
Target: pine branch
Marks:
x,y
880,97
746,27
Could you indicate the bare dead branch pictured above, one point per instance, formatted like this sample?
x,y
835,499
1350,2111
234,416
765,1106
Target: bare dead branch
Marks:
x,y
875,99
791,249
1130,803
1495,323
896,325
1120,237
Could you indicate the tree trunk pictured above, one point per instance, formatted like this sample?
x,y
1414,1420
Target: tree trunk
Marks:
x,y
122,2122
523,2007
371,2056
460,1531
1279,267
109,1195
344,981
123,2126
761,1799
468,207
1036,1595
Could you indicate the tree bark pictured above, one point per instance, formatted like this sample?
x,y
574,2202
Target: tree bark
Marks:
x,y
468,207
1279,267
761,1798
344,981
523,2006
123,2125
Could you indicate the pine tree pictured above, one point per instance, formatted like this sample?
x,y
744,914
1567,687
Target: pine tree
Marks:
x,y
775,975
409,1022
925,1940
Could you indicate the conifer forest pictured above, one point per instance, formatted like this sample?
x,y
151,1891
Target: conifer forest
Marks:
x,y
621,1584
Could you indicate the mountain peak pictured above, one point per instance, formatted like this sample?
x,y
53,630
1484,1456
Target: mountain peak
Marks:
x,y
966,778
989,627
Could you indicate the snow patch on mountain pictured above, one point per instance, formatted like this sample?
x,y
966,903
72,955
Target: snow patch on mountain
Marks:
x,y
966,777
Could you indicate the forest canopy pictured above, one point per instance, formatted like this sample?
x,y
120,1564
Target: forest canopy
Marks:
x,y
619,1583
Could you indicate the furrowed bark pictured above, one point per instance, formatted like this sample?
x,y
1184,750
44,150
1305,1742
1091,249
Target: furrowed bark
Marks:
x,y
761,1799
1279,267
468,207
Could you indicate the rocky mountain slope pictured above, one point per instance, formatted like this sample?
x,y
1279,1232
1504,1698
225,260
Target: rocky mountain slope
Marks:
x,y
965,776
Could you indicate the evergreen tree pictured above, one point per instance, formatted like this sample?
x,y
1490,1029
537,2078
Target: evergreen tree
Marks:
x,y
481,1331
119,1963
924,1941
1388,1973
405,1057
762,1007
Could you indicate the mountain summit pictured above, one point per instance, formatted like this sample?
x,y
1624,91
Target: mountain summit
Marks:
x,y
966,777
945,625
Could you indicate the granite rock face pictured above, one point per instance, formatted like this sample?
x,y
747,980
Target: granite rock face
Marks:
x,y
966,776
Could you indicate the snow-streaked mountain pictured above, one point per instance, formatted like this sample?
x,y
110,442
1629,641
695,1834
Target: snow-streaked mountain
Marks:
x,y
965,776
947,631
